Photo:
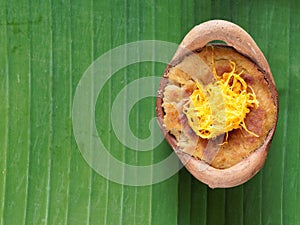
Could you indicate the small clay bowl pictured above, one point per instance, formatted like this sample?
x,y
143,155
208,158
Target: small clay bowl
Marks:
x,y
238,39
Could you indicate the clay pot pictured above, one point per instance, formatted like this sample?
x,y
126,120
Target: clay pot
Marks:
x,y
242,42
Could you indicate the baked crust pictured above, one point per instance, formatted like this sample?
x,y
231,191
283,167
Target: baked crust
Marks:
x,y
181,84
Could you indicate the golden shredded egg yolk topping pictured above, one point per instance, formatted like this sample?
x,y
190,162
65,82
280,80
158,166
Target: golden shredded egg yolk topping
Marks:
x,y
221,106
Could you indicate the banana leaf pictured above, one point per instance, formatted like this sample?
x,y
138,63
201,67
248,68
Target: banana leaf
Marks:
x,y
46,47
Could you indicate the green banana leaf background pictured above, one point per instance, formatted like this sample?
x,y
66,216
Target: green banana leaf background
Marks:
x,y
46,47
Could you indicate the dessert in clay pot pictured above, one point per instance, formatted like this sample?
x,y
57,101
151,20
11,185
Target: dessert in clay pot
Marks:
x,y
218,105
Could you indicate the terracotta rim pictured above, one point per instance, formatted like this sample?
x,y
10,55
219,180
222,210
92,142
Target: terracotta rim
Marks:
x,y
241,41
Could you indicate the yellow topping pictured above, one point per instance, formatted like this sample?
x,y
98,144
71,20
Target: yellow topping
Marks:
x,y
221,106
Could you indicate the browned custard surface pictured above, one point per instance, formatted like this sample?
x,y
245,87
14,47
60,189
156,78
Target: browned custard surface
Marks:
x,y
182,82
